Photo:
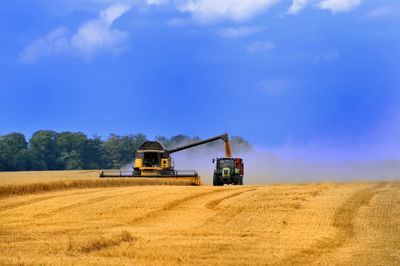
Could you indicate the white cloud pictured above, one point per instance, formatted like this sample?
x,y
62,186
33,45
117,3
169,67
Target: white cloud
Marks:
x,y
211,10
334,5
67,7
339,5
237,32
260,47
97,35
157,2
53,43
206,11
239,10
112,13
297,6
92,37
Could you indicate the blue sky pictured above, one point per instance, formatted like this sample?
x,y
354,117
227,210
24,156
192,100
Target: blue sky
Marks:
x,y
290,76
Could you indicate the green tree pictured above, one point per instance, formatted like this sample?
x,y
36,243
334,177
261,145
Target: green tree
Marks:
x,y
94,154
42,146
23,160
49,150
13,148
71,150
120,150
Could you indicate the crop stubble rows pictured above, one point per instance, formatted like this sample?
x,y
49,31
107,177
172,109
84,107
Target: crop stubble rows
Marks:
x,y
287,224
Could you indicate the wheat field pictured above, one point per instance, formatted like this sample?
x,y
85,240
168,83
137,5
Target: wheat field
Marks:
x,y
322,224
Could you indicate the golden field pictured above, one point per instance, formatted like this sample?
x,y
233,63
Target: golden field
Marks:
x,y
139,224
22,183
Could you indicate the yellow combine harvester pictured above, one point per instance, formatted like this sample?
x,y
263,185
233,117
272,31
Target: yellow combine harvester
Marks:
x,y
154,161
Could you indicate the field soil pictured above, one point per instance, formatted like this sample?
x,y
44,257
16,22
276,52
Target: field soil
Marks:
x,y
321,224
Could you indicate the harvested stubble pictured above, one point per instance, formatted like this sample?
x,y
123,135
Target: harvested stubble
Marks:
x,y
323,224
22,183
80,184
102,242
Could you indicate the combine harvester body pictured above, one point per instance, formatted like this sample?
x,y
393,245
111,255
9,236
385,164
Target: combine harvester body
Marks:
x,y
152,160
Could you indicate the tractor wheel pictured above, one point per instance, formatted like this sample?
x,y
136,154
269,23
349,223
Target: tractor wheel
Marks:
x,y
215,181
237,180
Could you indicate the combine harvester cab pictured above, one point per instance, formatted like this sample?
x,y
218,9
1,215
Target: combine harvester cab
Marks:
x,y
152,160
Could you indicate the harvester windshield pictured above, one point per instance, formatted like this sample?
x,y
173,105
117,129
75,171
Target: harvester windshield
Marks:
x,y
151,159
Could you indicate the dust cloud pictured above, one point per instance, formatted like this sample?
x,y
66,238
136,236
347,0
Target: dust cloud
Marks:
x,y
266,168
263,167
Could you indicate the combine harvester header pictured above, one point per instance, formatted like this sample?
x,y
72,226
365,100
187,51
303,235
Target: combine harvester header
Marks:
x,y
152,160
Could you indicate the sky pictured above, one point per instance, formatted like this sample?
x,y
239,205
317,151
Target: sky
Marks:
x,y
303,78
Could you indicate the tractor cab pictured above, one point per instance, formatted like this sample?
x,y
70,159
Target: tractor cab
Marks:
x,y
228,171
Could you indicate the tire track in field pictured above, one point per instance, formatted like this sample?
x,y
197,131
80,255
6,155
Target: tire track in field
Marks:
x,y
84,203
223,215
380,229
172,206
169,206
343,220
43,198
213,204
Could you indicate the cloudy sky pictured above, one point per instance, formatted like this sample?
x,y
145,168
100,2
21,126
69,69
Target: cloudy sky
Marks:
x,y
312,77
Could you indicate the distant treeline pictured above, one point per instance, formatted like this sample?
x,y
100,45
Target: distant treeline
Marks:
x,y
50,150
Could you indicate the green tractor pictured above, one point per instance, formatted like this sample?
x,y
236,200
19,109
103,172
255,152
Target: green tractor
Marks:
x,y
228,171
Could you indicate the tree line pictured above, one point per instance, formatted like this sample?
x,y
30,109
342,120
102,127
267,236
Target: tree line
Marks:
x,y
50,150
